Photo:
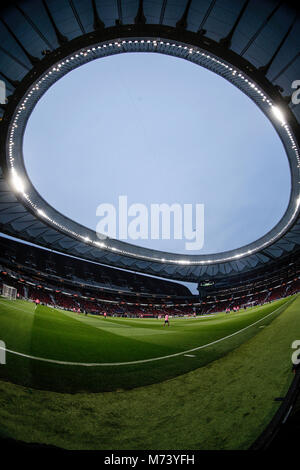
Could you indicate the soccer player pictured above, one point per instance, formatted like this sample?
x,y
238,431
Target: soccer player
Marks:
x,y
167,320
104,315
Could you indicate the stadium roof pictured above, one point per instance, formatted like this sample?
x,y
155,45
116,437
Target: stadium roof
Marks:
x,y
254,44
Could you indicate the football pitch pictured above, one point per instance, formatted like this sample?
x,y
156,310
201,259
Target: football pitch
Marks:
x,y
200,378
63,351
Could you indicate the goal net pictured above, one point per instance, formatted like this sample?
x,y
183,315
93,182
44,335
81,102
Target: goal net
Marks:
x,y
9,292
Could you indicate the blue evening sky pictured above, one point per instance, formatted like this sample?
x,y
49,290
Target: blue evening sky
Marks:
x,y
160,130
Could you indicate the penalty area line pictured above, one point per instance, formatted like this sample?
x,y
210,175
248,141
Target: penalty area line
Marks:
x,y
141,361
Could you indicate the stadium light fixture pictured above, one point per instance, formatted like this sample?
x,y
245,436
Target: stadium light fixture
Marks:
x,y
102,245
278,114
41,213
17,182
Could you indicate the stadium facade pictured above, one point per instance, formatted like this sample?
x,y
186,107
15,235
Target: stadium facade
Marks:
x,y
253,44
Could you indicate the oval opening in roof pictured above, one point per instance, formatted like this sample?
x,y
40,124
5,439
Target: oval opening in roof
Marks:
x,y
158,130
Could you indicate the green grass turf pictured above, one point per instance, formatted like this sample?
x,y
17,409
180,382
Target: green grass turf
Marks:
x,y
54,334
224,405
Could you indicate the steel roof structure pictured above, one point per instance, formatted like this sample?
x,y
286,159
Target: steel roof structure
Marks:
x,y
255,44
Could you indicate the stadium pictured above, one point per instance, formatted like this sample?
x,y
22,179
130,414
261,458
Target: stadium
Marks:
x,y
85,362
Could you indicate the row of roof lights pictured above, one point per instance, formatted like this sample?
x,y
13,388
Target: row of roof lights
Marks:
x,y
93,52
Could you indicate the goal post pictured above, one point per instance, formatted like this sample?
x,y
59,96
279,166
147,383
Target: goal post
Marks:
x,y
9,292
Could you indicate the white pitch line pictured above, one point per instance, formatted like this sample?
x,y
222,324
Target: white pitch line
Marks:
x,y
142,361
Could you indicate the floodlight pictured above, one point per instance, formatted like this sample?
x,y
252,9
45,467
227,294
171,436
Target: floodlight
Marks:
x,y
17,182
41,212
278,114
